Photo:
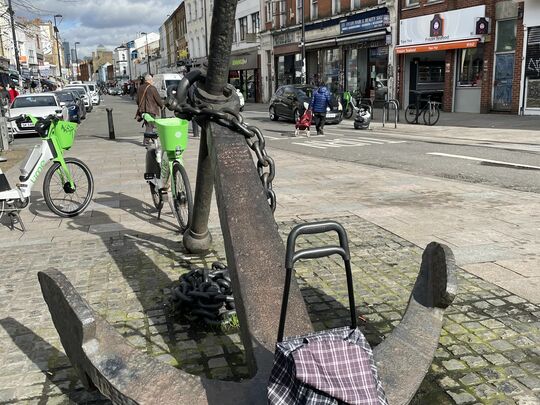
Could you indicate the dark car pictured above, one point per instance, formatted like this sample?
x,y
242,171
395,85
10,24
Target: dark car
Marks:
x,y
80,102
67,99
290,101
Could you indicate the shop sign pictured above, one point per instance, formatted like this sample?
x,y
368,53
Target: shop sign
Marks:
x,y
325,33
452,25
242,62
532,61
365,24
23,59
286,38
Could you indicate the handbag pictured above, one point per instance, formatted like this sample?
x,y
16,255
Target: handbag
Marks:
x,y
138,115
331,367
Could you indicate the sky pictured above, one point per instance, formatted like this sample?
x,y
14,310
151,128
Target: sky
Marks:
x,y
95,22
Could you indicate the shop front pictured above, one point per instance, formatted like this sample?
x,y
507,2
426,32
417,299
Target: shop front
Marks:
x,y
287,58
530,104
355,58
442,58
244,73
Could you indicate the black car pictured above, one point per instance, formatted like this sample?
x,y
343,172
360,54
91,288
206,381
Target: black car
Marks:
x,y
67,99
290,101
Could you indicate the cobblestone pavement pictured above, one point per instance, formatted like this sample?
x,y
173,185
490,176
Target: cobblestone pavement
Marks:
x,y
488,353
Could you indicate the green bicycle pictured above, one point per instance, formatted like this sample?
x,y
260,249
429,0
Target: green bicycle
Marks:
x,y
68,185
163,157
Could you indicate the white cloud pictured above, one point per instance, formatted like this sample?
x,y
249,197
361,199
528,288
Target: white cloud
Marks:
x,y
95,22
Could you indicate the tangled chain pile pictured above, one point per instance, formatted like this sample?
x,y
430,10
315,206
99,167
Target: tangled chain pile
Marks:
x,y
205,294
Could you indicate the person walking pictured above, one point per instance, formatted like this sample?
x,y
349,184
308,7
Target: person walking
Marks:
x,y
319,103
148,101
132,89
12,93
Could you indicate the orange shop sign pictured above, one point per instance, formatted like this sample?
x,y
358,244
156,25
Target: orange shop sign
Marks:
x,y
440,46
23,58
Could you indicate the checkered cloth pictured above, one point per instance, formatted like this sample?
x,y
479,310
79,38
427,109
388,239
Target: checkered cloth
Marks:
x,y
333,367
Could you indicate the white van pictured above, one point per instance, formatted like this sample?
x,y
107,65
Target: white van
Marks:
x,y
96,99
163,80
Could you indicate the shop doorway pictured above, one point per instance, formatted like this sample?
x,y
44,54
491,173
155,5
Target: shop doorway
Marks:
x,y
246,82
426,75
502,83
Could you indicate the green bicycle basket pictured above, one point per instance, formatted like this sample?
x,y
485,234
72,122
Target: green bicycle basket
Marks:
x,y
172,132
65,134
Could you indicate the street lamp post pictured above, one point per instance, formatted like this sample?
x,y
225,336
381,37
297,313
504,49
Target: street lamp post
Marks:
x,y
77,59
15,46
57,44
147,54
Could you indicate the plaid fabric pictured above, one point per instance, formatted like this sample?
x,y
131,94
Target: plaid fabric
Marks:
x,y
333,367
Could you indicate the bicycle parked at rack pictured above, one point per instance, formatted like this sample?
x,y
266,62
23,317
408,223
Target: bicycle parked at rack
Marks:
x,y
68,185
350,107
163,157
430,112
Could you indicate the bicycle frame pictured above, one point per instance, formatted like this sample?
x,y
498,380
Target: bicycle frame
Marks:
x,y
49,151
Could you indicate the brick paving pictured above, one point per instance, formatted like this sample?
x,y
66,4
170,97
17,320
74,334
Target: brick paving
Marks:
x,y
488,352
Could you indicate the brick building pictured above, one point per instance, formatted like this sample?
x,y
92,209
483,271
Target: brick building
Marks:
x,y
465,53
348,43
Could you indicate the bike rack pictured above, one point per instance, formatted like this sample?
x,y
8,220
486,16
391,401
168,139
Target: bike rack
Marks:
x,y
386,111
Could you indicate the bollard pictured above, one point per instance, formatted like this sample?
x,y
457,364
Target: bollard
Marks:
x,y
111,123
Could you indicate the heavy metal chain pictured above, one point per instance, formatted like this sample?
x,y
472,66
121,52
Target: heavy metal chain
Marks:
x,y
254,138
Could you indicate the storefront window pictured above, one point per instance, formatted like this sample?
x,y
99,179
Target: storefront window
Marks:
x,y
471,63
331,62
506,35
533,93
352,70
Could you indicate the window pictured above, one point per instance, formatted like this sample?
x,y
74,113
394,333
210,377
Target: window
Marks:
x,y
268,12
243,28
355,4
255,23
336,6
506,36
470,69
411,2
299,10
314,10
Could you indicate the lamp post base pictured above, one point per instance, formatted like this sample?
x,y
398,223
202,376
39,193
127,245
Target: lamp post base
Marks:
x,y
197,243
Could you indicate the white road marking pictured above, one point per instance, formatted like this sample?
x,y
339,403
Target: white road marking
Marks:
x,y
484,160
342,142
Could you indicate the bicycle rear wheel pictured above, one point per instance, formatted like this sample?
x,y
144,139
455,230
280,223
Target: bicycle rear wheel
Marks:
x,y
410,114
182,198
60,197
431,116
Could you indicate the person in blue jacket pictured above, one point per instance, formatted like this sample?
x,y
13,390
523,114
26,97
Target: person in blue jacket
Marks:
x,y
319,103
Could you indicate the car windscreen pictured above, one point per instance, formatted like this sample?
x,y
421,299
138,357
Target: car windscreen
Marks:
x,y
91,87
65,97
79,90
171,83
28,102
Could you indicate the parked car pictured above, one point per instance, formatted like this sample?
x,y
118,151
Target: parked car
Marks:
x,y
40,105
114,91
80,102
290,102
96,99
84,91
92,96
67,99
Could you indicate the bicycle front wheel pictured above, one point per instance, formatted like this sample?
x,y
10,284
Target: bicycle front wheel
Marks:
x,y
431,116
60,197
182,197
410,114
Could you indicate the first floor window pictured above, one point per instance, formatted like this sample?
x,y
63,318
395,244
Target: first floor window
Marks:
x,y
412,2
314,10
243,28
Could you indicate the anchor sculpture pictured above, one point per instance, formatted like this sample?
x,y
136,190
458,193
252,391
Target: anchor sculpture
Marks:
x,y
255,256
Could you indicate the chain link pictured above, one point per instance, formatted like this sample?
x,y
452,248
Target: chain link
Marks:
x,y
266,167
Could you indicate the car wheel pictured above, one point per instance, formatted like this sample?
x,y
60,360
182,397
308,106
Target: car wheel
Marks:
x,y
272,112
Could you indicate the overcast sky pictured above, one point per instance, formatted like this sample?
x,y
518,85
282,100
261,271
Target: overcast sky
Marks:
x,y
94,22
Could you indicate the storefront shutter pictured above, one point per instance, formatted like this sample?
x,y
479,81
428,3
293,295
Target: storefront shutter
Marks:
x,y
534,36
532,60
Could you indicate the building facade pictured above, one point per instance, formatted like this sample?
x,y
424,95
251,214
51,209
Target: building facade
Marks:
x,y
198,14
461,53
120,63
245,64
530,86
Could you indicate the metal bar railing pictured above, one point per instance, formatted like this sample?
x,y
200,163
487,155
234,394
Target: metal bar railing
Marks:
x,y
386,111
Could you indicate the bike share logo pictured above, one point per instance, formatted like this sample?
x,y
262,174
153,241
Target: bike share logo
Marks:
x,y
178,134
38,171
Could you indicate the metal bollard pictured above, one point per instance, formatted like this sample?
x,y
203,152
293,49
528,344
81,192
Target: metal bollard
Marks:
x,y
111,123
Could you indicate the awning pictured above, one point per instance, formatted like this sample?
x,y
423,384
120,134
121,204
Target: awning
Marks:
x,y
439,46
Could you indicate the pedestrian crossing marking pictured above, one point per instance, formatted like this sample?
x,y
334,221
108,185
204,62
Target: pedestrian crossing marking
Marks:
x,y
343,142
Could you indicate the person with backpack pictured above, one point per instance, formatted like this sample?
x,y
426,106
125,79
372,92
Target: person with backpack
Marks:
x,y
319,104
148,101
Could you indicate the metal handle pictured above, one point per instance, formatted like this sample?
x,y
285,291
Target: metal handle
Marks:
x,y
314,253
